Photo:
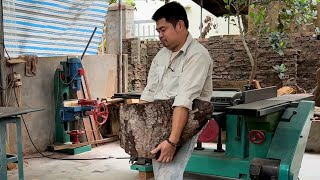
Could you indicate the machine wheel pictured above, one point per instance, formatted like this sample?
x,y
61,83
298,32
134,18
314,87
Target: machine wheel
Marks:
x,y
256,136
101,111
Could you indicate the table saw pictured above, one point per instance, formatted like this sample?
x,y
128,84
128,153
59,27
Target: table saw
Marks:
x,y
266,136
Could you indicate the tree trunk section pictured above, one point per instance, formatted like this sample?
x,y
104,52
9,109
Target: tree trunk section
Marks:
x,y
144,126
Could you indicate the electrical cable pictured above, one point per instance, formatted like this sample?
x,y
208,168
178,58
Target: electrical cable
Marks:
x,y
82,159
68,83
48,156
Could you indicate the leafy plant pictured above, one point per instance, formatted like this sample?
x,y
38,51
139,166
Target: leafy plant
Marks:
x,y
292,14
280,70
128,2
278,41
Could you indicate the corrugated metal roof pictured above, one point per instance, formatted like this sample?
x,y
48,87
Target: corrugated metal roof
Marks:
x,y
53,27
217,7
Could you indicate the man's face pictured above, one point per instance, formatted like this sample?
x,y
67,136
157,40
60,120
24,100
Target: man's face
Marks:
x,y
168,34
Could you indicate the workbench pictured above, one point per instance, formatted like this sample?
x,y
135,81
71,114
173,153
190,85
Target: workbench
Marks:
x,y
11,115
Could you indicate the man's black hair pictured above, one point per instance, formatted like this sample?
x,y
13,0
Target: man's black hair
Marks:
x,y
172,12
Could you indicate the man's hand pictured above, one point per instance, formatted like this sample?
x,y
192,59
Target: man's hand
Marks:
x,y
167,152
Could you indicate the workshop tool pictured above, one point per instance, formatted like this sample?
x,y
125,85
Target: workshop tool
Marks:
x,y
266,136
67,82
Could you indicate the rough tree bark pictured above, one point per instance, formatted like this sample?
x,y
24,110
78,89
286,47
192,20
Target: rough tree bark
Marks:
x,y
144,126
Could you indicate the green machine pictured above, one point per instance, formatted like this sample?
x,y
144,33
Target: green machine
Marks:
x,y
67,81
266,136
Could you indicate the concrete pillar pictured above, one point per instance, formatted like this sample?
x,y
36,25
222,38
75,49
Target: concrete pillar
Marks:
x,y
112,26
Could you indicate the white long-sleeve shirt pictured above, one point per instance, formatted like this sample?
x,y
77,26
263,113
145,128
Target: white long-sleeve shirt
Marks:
x,y
184,75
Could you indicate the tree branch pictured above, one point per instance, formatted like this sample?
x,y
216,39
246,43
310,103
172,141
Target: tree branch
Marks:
x,y
244,41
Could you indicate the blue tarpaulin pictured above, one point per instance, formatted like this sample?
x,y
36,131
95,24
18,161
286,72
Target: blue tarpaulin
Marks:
x,y
53,27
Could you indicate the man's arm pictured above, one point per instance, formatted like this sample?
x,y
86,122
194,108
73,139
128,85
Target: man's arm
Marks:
x,y
191,83
179,120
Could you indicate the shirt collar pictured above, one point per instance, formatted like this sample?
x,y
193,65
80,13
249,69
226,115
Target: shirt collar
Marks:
x,y
186,44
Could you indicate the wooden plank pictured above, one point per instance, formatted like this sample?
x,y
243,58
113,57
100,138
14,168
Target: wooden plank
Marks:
x,y
70,103
56,147
114,101
86,121
95,126
145,175
105,140
16,61
112,84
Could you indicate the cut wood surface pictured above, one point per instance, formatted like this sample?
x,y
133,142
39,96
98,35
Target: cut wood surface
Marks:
x,y
144,126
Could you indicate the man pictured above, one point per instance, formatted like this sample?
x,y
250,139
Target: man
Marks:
x,y
181,70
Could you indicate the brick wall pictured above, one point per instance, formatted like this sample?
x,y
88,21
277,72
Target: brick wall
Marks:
x,y
232,63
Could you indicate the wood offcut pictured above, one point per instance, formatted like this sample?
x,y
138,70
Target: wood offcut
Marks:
x,y
144,126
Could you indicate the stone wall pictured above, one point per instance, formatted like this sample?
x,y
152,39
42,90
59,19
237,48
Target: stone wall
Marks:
x,y
232,63
138,63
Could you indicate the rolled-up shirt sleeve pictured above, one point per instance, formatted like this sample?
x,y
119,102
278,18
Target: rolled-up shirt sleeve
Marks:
x,y
192,79
152,84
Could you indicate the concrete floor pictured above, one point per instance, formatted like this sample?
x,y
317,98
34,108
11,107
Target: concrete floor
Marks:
x,y
114,169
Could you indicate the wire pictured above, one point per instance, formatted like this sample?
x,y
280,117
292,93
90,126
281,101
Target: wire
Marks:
x,y
82,159
48,156
68,83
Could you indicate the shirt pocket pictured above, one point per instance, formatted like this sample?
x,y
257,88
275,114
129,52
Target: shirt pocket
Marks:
x,y
160,72
172,84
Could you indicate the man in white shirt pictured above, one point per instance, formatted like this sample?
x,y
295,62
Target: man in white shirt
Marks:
x,y
182,70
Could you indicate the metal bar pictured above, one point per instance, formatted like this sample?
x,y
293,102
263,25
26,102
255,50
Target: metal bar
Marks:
x,y
120,48
149,35
201,24
19,146
259,94
3,153
2,60
84,52
143,21
143,32
228,24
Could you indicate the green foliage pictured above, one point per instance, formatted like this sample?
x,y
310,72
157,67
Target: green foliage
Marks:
x,y
280,70
297,13
112,1
129,2
293,14
278,41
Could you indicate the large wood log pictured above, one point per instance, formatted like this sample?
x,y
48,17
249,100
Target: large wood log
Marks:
x,y
144,126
